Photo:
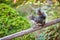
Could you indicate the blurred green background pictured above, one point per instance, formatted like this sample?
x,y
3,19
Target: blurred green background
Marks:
x,y
14,13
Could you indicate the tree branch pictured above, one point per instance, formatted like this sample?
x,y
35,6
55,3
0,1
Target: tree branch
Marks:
x,y
24,32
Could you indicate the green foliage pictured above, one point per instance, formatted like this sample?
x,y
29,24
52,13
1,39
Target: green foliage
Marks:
x,y
11,22
50,33
25,37
11,2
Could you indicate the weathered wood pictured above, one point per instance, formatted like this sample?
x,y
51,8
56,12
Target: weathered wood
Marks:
x,y
34,28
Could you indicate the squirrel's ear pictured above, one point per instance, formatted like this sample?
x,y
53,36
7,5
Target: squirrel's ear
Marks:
x,y
39,11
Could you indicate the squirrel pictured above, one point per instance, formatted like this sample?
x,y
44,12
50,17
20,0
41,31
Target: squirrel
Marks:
x,y
40,18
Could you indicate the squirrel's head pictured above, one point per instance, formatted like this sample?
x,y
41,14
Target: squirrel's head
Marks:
x,y
39,12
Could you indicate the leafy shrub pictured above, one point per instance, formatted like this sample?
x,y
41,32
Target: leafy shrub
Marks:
x,y
11,22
